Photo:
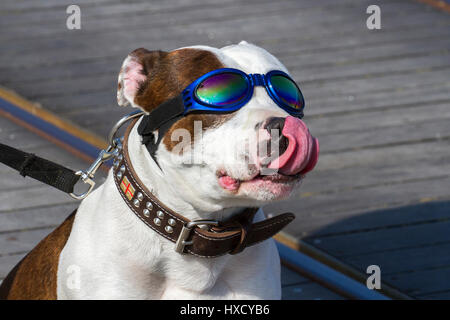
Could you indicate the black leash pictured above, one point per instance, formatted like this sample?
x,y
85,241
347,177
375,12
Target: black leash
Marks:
x,y
60,177
43,170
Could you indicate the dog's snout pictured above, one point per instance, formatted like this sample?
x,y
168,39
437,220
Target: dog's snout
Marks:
x,y
276,125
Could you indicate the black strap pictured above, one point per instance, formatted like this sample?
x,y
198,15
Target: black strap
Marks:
x,y
40,169
160,119
168,110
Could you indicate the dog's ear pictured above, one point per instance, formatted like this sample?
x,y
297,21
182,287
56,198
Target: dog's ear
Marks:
x,y
134,74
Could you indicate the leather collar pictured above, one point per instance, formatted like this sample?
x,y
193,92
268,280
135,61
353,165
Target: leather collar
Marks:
x,y
219,238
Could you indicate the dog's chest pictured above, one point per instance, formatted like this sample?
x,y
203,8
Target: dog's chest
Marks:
x,y
111,254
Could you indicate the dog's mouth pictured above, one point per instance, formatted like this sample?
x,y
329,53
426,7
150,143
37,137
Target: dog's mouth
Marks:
x,y
233,184
279,176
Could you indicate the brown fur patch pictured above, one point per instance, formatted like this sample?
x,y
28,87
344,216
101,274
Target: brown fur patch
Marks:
x,y
34,277
207,121
169,73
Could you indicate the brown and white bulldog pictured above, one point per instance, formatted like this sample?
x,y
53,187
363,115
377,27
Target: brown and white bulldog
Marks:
x,y
105,252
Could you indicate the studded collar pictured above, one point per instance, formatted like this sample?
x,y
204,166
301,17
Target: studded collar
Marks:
x,y
203,238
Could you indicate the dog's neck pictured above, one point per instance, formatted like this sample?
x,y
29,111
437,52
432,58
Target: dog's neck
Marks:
x,y
169,192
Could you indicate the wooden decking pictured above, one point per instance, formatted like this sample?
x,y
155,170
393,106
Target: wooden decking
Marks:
x,y
378,100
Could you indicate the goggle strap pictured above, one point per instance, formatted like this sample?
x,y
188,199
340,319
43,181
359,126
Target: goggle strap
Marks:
x,y
161,119
165,112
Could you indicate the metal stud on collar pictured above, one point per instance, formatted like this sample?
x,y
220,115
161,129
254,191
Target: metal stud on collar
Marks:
x,y
157,221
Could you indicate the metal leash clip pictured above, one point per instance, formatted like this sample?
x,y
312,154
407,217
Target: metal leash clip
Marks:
x,y
115,145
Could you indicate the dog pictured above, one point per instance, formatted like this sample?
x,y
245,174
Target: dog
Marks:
x,y
104,251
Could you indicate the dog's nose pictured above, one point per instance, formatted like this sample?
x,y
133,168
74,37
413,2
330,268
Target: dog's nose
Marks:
x,y
277,124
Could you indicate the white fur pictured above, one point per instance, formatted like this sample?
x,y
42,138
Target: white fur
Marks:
x,y
119,257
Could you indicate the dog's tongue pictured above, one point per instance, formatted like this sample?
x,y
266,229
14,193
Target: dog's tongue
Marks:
x,y
302,152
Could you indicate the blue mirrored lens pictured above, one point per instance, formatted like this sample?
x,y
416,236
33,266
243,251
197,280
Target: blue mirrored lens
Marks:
x,y
222,89
287,91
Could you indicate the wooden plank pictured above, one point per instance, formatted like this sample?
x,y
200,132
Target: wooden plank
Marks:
x,y
289,277
7,262
325,43
315,212
35,217
205,14
370,70
32,196
95,115
87,68
318,106
92,10
417,167
378,159
425,256
421,282
384,83
22,241
78,85
437,295
131,9
344,42
309,291
381,117
21,6
8,127
23,139
72,102
185,35
363,53
113,67
385,242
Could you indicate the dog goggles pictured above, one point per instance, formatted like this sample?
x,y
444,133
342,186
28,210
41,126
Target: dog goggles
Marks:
x,y
226,90
222,90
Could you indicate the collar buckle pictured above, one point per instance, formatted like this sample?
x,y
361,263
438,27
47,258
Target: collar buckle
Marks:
x,y
186,232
